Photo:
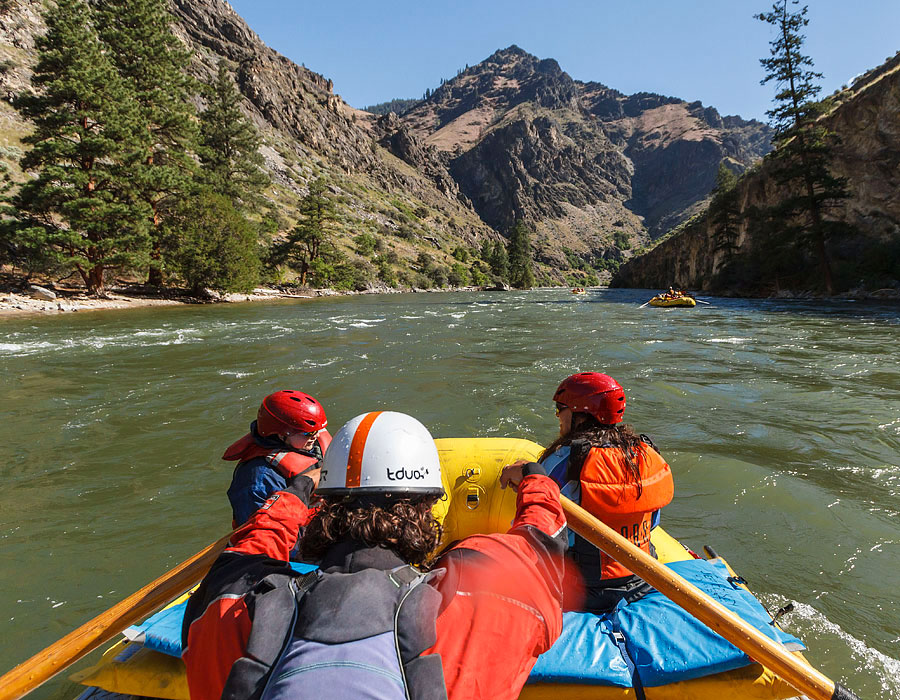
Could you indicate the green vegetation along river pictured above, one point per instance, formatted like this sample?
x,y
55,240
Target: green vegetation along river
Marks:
x,y
781,421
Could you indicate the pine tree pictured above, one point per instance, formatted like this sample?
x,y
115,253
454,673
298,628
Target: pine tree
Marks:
x,y
498,260
155,63
725,211
81,207
803,145
229,145
311,237
521,276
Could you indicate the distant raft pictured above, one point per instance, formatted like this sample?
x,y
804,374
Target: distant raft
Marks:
x,y
664,300
652,643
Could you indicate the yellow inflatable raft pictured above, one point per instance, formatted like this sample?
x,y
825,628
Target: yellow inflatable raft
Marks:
x,y
684,301
475,504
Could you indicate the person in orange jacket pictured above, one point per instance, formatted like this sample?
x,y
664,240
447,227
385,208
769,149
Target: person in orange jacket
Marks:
x,y
612,472
375,621
287,437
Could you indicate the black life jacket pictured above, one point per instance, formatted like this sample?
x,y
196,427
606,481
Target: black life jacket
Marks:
x,y
335,634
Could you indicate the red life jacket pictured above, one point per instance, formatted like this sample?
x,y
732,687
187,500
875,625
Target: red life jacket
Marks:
x,y
609,491
286,462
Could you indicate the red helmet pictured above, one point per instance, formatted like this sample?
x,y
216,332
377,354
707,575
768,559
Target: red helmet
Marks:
x,y
286,412
597,394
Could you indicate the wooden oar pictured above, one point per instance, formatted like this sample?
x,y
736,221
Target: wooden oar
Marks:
x,y
58,656
714,615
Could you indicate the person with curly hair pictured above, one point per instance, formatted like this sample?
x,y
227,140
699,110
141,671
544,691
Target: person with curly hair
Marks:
x,y
378,618
613,473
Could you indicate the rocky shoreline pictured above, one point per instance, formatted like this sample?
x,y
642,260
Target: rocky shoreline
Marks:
x,y
38,300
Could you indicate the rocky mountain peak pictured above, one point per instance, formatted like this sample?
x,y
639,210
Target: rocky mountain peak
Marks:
x,y
504,80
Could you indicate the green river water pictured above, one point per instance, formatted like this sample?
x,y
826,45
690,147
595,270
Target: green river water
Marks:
x,y
781,421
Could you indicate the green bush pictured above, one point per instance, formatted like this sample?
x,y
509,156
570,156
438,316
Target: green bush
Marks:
x,y
386,273
437,274
365,244
461,254
458,275
218,246
479,278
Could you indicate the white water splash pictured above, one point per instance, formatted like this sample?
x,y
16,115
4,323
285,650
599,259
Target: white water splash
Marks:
x,y
236,375
870,662
728,341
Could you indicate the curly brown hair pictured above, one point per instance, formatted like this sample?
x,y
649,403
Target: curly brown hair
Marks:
x,y
406,526
586,427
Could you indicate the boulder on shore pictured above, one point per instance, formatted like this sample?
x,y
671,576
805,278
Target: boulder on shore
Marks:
x,y
41,293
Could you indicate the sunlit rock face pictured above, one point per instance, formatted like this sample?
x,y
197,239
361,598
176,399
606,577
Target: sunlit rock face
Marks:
x,y
866,119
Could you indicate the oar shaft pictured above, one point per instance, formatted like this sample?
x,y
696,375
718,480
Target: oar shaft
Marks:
x,y
58,656
793,669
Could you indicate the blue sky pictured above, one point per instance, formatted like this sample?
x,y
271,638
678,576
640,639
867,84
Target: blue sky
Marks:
x,y
706,50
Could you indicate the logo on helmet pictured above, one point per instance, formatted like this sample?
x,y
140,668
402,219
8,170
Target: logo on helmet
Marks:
x,y
404,474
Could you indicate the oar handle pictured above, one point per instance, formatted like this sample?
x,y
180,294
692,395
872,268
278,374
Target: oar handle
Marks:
x,y
793,669
60,655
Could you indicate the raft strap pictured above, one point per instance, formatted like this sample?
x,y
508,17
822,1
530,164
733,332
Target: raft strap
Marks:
x,y
619,638
269,633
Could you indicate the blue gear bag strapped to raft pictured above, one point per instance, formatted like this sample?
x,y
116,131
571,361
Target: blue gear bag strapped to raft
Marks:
x,y
665,643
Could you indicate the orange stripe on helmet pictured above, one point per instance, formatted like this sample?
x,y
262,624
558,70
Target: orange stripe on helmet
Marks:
x,y
357,447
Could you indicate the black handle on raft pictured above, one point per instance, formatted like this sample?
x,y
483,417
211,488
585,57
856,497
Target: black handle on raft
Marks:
x,y
710,552
842,693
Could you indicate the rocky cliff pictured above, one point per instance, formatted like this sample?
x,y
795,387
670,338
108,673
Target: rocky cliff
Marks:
x,y
866,119
588,166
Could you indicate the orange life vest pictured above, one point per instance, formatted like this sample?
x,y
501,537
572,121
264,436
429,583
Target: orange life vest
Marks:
x,y
286,462
609,491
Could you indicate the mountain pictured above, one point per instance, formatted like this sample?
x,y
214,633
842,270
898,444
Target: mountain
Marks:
x,y
580,161
866,119
592,171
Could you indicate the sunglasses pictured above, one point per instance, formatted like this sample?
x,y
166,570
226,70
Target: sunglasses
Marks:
x,y
560,407
313,434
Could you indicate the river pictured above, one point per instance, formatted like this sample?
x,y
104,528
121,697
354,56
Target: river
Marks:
x,y
781,420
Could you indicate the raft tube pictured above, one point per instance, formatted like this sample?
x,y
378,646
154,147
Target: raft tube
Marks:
x,y
583,664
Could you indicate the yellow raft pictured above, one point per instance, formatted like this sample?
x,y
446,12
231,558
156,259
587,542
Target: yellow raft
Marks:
x,y
684,301
476,504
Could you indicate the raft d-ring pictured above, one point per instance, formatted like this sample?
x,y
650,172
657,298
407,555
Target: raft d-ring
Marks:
x,y
472,498
473,474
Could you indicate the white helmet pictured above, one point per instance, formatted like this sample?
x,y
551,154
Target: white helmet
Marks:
x,y
382,452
